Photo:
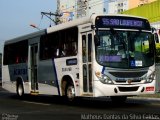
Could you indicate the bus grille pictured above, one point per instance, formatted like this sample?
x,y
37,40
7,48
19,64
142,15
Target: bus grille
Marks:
x,y
128,74
128,89
124,81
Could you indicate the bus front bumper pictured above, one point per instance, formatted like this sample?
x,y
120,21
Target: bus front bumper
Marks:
x,y
101,89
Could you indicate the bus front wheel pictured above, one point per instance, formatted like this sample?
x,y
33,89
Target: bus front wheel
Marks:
x,y
70,92
20,90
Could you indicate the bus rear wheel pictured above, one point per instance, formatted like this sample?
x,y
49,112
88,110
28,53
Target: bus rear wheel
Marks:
x,y
20,90
70,92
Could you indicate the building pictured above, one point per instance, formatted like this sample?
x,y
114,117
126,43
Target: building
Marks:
x,y
89,7
73,9
137,3
118,6
67,10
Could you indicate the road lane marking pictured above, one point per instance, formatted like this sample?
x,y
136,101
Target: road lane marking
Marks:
x,y
156,104
37,103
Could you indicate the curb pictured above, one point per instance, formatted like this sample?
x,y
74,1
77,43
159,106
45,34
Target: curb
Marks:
x,y
145,98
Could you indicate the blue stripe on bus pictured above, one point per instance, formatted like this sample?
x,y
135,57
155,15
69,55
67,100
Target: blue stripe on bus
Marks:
x,y
103,69
54,69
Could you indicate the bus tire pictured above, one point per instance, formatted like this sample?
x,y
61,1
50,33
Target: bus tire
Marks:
x,y
118,99
20,90
70,92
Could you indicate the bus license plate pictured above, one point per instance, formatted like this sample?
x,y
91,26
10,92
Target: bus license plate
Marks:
x,y
150,88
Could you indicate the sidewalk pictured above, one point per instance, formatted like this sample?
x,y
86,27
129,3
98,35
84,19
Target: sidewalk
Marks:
x,y
1,89
145,99
154,97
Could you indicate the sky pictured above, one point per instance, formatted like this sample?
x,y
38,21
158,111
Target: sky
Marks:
x,y
17,15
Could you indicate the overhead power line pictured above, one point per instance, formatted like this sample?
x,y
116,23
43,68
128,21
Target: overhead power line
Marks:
x,y
55,20
49,16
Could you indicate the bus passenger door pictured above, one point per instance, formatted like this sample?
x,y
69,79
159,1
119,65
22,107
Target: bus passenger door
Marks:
x,y
33,67
87,62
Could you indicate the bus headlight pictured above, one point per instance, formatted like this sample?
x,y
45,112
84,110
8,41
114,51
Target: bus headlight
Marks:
x,y
150,78
103,78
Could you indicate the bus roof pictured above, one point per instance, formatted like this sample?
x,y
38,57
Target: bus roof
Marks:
x,y
25,37
69,24
83,21
64,26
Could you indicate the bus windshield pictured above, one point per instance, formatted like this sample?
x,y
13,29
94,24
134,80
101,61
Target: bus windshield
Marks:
x,y
125,49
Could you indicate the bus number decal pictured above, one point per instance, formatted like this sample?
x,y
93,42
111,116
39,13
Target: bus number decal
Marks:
x,y
66,69
20,71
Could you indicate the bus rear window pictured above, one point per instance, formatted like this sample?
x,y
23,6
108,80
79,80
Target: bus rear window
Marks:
x,y
16,53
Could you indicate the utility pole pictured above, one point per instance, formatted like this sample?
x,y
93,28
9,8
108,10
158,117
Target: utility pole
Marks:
x,y
34,26
58,5
87,10
67,10
82,8
58,12
49,15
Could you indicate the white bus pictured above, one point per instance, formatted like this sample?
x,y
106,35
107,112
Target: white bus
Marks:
x,y
98,56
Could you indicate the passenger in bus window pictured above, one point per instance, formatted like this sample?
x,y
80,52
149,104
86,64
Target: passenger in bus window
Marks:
x,y
63,51
57,52
74,50
17,60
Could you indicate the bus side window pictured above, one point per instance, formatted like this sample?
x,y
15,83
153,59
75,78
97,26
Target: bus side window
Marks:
x,y
17,60
84,48
49,46
15,53
69,42
89,47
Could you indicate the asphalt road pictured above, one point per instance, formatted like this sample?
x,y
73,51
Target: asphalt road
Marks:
x,y
55,108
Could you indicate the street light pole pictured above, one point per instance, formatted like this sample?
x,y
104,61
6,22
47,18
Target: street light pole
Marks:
x,y
34,26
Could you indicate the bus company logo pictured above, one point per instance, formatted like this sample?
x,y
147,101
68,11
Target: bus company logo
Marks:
x,y
129,81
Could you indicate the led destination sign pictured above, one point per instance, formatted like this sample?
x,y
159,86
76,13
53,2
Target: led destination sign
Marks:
x,y
122,22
